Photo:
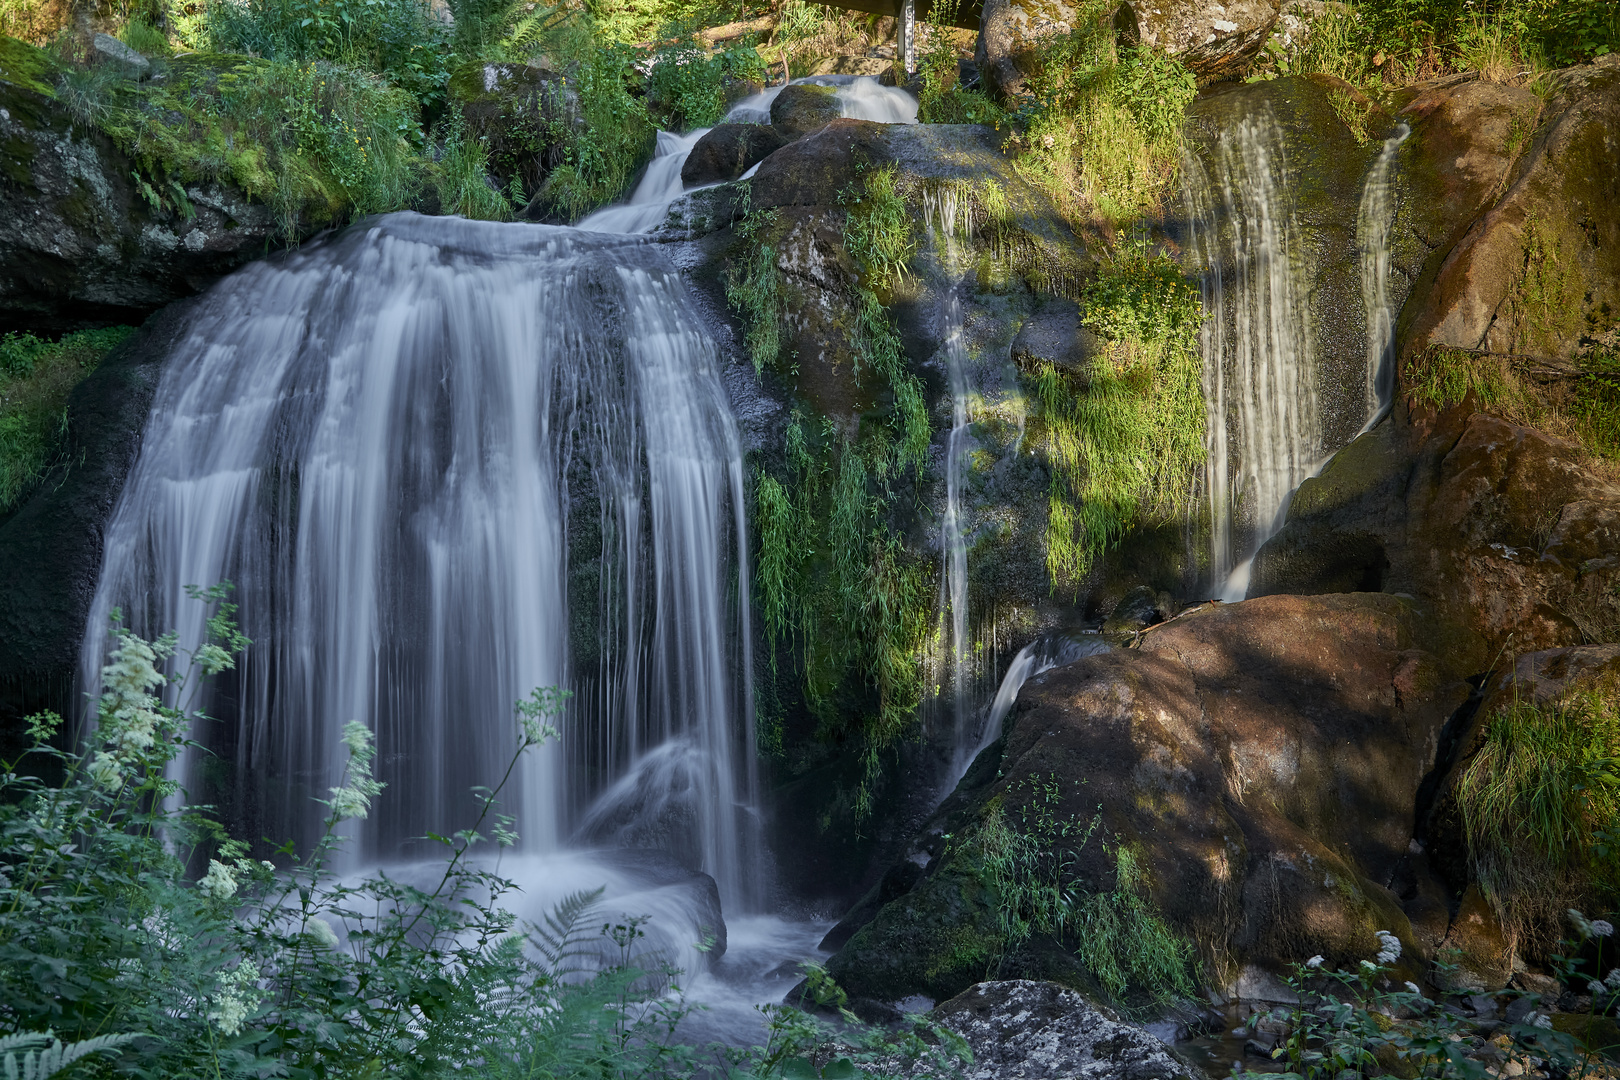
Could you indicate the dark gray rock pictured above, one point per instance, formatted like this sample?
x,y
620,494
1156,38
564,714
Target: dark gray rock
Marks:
x,y
1023,1030
1053,335
728,151
804,107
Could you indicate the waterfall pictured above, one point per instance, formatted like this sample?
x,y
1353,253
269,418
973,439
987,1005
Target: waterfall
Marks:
x,y
446,462
1373,221
1259,369
947,214
860,97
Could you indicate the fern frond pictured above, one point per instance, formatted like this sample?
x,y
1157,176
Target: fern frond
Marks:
x,y
53,1059
562,938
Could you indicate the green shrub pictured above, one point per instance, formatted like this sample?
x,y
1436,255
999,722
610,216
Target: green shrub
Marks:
x,y
613,134
463,176
1539,804
397,39
1124,437
687,84
36,378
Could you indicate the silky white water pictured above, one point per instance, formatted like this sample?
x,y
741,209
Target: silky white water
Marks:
x,y
860,97
1262,417
1374,219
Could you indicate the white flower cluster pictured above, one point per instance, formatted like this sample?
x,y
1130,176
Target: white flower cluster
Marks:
x,y
129,722
219,883
1609,985
1591,927
1389,947
320,932
353,800
238,996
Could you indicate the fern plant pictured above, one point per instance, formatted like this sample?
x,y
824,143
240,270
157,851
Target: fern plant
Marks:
x,y
45,1056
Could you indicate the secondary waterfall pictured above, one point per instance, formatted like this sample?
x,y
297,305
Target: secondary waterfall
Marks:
x,y
1262,419
1373,221
445,462
860,97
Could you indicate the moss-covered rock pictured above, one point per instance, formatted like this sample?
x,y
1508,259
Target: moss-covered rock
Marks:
x,y
802,108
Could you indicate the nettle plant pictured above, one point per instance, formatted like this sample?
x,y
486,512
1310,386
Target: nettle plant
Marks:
x,y
255,969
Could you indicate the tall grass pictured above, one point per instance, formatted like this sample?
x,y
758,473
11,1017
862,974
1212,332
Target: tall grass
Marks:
x,y
36,377
1540,804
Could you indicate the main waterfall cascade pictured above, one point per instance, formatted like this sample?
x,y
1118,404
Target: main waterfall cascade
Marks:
x,y
403,445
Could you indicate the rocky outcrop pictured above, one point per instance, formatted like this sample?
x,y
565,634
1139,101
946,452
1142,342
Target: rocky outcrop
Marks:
x,y
1215,40
82,242
728,151
1502,531
1535,267
1262,759
1024,1030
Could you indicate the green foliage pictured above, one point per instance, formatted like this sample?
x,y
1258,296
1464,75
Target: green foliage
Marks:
x,y
611,136
1101,133
1032,870
144,38
1443,378
397,39
463,170
44,1055
877,231
942,100
36,378
754,289
1596,403
687,83
1539,801
1362,1022
1124,438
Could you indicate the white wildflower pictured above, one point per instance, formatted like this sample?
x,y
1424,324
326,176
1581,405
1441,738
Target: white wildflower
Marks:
x,y
1595,988
105,769
1542,1020
1613,978
1389,947
1602,928
1315,962
319,930
1412,986
219,883
238,996
268,865
1369,965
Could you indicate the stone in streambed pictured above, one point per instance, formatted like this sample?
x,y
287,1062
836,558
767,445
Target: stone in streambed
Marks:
x,y
1024,1030
728,151
804,107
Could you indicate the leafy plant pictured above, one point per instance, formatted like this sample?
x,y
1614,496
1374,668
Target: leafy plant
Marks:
x,y
463,176
877,229
36,377
687,83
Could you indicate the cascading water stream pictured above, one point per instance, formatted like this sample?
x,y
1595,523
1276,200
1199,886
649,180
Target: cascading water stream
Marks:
x,y
446,462
859,97
1373,222
1259,369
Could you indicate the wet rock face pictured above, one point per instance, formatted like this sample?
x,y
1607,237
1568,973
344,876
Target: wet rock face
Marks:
x,y
1024,1030
728,151
1499,528
1536,267
79,245
1263,758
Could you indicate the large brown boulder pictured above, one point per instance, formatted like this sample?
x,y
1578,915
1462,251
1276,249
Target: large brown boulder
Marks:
x,y
1536,267
804,107
1512,541
1262,759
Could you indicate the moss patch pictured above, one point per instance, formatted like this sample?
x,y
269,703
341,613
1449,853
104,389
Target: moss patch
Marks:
x,y
23,65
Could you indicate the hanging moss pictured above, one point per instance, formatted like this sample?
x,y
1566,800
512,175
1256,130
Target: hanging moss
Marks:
x,y
1124,438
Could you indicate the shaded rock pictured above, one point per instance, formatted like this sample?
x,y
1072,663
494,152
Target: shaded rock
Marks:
x,y
1028,1030
1217,40
1539,271
1220,751
107,49
1478,946
51,543
728,151
1137,610
1501,529
804,107
1054,335
79,246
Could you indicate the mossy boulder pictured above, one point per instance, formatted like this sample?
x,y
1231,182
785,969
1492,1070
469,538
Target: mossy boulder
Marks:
x,y
89,238
728,151
801,108
1220,752
521,113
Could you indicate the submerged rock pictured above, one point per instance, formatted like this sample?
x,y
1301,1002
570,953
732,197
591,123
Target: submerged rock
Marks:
x,y
1023,1030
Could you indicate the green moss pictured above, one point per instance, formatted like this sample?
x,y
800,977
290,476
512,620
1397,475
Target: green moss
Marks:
x,y
1124,438
23,65
36,377
754,289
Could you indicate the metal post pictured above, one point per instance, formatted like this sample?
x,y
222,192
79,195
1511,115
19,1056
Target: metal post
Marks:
x,y
908,35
